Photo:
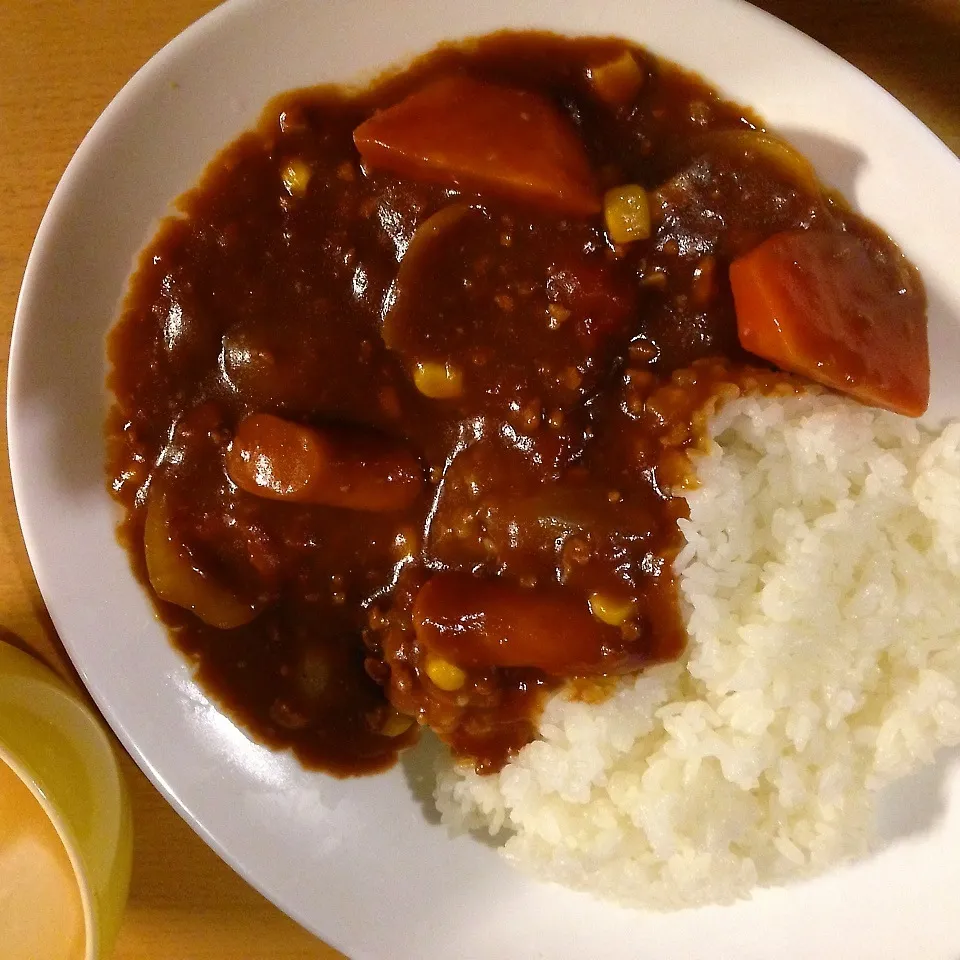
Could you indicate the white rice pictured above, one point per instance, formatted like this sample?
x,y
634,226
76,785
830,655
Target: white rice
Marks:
x,y
821,576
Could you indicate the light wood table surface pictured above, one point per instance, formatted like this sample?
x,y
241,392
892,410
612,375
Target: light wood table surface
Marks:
x,y
61,61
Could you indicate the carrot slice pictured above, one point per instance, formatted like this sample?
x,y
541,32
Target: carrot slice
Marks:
x,y
335,466
480,136
816,304
475,622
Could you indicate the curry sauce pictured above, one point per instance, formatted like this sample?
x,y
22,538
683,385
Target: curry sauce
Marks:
x,y
397,439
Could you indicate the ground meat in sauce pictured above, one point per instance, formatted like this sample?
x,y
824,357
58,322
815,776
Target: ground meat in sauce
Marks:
x,y
538,484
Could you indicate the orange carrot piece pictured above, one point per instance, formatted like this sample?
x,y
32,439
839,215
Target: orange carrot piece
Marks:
x,y
480,136
335,466
475,622
814,303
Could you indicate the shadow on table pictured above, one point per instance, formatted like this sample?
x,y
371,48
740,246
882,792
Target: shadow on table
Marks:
x,y
913,41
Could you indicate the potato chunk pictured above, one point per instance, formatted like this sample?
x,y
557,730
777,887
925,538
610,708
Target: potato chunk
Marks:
x,y
177,579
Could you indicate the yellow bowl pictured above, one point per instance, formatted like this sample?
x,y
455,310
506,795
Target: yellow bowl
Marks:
x,y
59,750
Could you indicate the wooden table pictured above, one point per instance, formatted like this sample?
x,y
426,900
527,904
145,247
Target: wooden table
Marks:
x,y
61,61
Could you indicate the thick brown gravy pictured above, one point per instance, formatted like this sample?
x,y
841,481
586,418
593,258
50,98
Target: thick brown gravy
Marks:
x,y
524,386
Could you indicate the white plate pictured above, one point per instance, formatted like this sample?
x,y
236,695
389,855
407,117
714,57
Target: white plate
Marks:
x,y
359,861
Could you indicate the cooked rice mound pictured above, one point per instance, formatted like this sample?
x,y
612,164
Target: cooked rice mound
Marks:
x,y
821,577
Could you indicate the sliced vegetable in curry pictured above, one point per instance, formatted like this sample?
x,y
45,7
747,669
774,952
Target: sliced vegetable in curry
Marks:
x,y
402,395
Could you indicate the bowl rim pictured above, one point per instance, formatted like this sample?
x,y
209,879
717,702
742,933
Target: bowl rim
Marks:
x,y
19,667
91,909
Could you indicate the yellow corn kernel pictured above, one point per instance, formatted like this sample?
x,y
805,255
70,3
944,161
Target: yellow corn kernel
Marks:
x,y
396,723
439,381
445,675
296,176
572,378
626,212
675,473
657,280
558,315
609,609
617,81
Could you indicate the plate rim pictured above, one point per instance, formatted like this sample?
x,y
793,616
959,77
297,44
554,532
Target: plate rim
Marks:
x,y
17,434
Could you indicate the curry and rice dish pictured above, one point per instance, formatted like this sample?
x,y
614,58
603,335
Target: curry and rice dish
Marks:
x,y
416,396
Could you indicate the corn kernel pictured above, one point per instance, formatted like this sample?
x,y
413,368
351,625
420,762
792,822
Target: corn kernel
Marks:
x,y
296,176
610,610
396,723
626,212
558,314
572,378
675,473
440,381
656,280
617,81
445,675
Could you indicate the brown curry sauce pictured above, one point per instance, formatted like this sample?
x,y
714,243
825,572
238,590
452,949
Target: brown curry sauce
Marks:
x,y
582,371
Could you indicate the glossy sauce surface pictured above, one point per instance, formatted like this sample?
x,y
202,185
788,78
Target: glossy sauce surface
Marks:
x,y
523,387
